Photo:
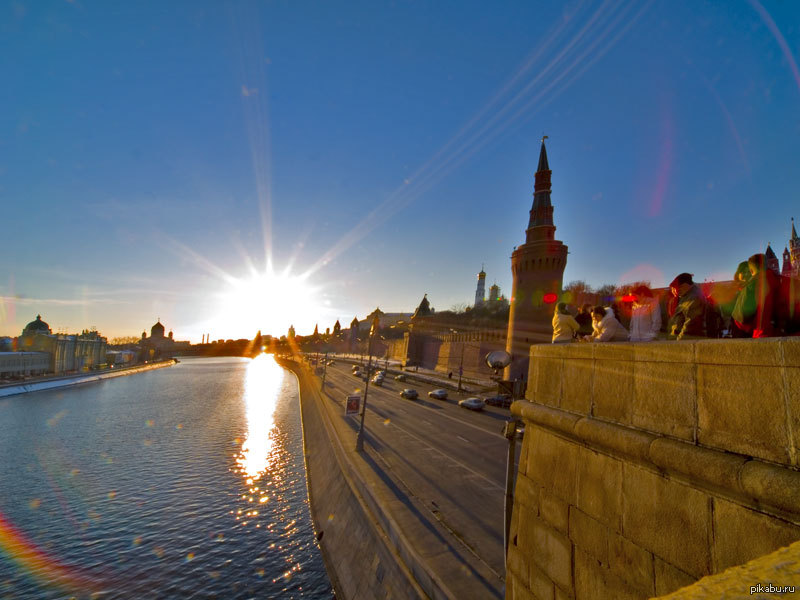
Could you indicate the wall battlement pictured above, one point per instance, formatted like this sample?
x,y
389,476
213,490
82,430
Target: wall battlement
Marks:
x,y
648,466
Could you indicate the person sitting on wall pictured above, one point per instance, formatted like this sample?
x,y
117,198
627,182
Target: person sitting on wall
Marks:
x,y
584,320
606,326
565,327
753,311
689,317
645,315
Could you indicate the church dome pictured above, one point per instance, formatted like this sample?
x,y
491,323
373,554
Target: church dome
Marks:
x,y
157,330
37,326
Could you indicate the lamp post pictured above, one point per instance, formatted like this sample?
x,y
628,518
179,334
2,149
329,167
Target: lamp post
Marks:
x,y
360,436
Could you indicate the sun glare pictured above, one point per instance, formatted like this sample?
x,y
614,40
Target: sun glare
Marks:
x,y
269,302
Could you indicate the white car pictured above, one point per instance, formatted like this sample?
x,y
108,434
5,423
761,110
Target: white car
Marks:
x,y
471,403
409,393
438,394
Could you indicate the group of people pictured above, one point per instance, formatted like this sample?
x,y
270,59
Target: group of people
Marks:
x,y
601,323
764,306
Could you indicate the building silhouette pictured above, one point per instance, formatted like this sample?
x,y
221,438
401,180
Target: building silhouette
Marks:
x,y
537,269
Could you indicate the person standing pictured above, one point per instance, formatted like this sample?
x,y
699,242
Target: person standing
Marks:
x,y
565,327
645,315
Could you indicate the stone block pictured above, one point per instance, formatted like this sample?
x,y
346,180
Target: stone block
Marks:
x,y
792,392
576,384
554,511
612,394
526,493
548,381
669,578
553,554
600,487
620,439
525,538
791,351
720,469
552,464
577,351
517,564
664,352
668,519
772,485
562,595
665,398
742,409
759,352
615,351
593,581
541,585
741,534
589,535
631,563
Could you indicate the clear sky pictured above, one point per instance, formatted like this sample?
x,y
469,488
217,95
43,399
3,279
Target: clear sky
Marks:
x,y
234,166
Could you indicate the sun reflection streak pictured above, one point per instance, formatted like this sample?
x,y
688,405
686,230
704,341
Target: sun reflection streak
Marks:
x,y
262,387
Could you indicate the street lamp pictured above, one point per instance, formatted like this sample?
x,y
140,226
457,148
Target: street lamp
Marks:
x,y
360,437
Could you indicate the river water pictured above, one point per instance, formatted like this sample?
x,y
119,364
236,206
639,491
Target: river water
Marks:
x,y
182,482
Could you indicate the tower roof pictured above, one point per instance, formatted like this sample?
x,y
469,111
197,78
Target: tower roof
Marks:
x,y
424,308
543,166
769,253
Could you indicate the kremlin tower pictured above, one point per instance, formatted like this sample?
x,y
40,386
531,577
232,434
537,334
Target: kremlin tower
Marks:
x,y
537,268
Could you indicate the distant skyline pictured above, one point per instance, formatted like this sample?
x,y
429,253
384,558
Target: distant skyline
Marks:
x,y
245,167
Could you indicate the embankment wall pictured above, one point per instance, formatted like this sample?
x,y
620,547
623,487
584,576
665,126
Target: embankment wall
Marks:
x,y
60,382
645,467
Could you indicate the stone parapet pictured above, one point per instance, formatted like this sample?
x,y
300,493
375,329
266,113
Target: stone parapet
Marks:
x,y
648,466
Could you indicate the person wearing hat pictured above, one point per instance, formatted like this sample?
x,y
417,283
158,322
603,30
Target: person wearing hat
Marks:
x,y
689,318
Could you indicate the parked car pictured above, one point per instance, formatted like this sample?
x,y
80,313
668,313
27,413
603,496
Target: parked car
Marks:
x,y
438,394
410,394
502,400
471,403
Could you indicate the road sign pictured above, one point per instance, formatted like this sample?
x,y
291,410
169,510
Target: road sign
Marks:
x,y
352,405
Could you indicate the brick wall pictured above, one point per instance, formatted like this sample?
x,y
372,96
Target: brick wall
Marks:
x,y
648,466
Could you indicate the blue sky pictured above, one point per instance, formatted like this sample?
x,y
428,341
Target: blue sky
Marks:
x,y
153,155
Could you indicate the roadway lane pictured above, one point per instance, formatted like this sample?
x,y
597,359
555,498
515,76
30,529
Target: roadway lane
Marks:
x,y
451,458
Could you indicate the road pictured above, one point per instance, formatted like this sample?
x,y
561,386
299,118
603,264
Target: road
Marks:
x,y
452,459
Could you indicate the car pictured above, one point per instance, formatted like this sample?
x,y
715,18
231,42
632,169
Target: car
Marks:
x,y
502,400
471,403
400,377
410,394
520,431
357,372
377,380
438,394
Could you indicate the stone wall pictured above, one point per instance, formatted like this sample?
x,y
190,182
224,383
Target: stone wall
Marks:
x,y
648,466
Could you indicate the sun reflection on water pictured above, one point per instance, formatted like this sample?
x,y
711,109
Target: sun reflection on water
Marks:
x,y
262,387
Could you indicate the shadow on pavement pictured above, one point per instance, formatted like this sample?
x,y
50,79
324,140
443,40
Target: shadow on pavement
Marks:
x,y
423,519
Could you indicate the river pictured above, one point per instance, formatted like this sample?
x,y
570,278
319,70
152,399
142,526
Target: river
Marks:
x,y
182,482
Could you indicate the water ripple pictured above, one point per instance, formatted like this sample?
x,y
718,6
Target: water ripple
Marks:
x,y
185,482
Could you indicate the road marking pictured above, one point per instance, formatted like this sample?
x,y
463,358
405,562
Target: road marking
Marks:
x,y
463,439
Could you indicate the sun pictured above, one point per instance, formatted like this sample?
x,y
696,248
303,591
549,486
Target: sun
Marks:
x,y
269,302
